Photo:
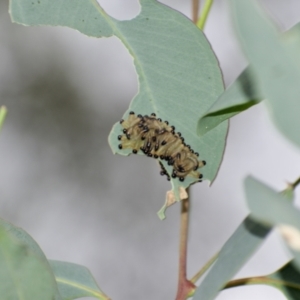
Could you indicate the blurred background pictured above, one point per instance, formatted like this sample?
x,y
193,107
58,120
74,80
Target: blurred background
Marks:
x,y
61,183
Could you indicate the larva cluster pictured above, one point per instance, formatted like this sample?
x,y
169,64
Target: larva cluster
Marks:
x,y
157,139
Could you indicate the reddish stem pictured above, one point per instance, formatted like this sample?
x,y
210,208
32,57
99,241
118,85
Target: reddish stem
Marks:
x,y
195,10
184,285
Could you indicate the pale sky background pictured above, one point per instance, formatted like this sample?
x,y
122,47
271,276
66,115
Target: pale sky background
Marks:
x,y
62,184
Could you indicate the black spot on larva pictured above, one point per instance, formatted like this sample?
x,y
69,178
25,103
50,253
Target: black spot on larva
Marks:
x,y
153,115
196,153
134,151
120,146
121,121
119,137
131,113
181,179
204,162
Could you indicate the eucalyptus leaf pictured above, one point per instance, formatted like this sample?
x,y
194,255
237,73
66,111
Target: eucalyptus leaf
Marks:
x,y
275,63
23,274
269,206
240,95
179,76
287,280
233,255
273,208
75,281
25,239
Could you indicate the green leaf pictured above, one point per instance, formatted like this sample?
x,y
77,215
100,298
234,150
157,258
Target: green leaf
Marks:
x,y
24,238
239,96
234,254
273,208
287,281
269,206
75,281
275,63
179,76
23,275
85,16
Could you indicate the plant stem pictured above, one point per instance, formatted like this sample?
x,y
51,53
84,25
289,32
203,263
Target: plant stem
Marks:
x,y
204,14
261,280
294,184
198,275
185,287
195,10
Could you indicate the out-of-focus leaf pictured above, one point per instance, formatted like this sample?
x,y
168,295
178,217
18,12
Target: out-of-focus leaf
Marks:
x,y
287,280
240,95
269,206
179,75
23,237
275,63
23,275
75,281
272,208
236,251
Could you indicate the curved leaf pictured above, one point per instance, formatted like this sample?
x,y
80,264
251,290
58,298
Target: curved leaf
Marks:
x,y
287,281
240,95
23,275
179,76
274,208
275,63
23,238
233,255
75,281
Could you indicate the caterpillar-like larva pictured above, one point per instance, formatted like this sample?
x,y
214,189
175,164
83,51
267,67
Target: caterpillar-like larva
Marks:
x,y
157,139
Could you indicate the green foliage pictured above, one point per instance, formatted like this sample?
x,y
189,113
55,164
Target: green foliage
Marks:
x,y
23,273
180,81
275,63
165,47
286,280
75,281
26,273
241,95
233,255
